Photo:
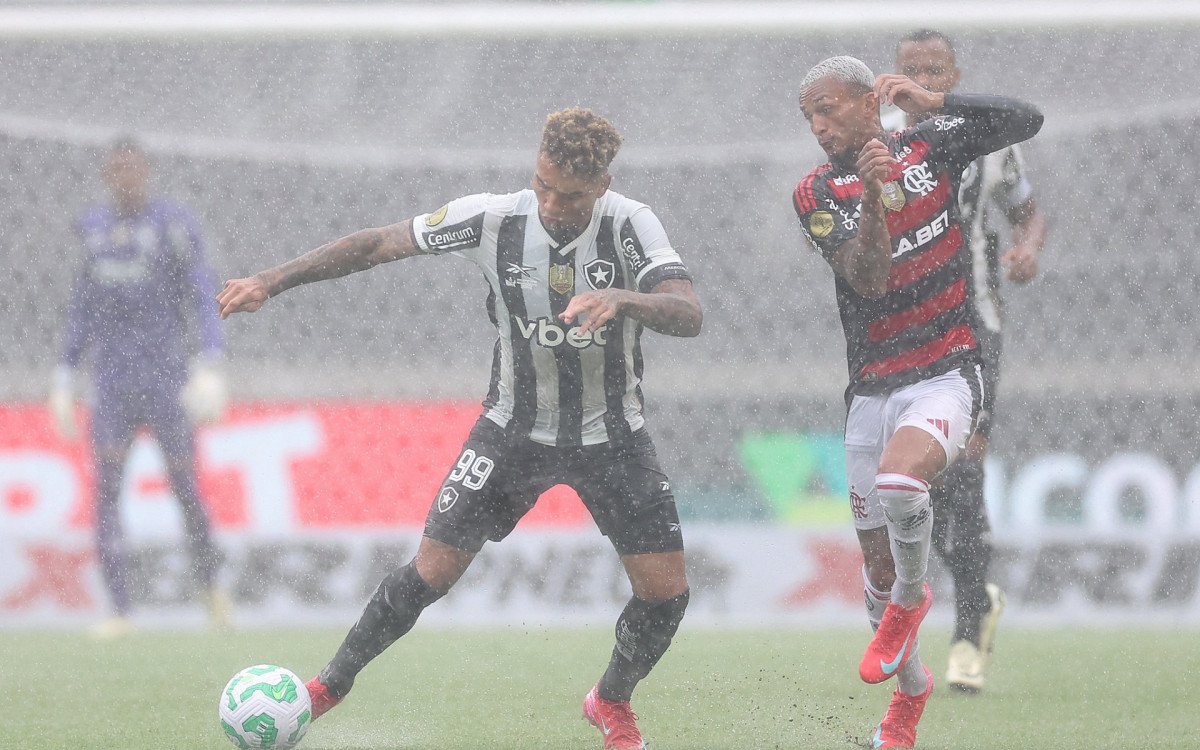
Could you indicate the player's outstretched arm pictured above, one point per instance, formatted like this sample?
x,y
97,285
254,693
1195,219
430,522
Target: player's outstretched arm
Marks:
x,y
671,308
364,249
865,260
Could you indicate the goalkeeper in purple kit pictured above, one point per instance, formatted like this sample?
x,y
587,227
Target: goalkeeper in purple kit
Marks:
x,y
143,274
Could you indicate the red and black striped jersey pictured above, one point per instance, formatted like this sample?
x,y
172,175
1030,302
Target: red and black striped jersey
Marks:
x,y
922,326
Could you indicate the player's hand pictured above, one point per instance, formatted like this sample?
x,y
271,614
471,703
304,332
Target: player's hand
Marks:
x,y
874,165
1021,263
599,306
241,295
976,448
907,94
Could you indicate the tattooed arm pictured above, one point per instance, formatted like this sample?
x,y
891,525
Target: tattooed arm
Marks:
x,y
364,249
671,308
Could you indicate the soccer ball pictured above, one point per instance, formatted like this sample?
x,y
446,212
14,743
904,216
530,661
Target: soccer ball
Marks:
x,y
265,707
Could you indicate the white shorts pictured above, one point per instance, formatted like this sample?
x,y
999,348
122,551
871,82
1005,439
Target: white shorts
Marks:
x,y
944,406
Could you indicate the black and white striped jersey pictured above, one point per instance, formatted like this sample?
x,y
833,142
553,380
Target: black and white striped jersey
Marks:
x,y
549,382
994,183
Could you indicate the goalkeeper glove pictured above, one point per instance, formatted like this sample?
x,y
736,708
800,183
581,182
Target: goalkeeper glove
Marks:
x,y
204,395
61,403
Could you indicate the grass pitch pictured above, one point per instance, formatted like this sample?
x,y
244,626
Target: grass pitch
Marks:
x,y
517,688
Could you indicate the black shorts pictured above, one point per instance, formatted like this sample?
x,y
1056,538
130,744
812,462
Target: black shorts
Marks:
x,y
497,479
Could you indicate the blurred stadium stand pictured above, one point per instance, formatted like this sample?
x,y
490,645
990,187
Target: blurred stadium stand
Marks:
x,y
281,145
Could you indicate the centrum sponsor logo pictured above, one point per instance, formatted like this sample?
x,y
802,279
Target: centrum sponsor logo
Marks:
x,y
633,254
452,238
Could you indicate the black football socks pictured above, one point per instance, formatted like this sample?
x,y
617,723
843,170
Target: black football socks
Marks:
x,y
644,631
391,612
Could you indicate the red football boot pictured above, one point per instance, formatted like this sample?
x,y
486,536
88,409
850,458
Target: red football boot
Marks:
x,y
893,641
615,719
899,726
322,701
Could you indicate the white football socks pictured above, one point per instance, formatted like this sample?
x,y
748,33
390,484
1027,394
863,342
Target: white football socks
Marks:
x,y
905,501
876,600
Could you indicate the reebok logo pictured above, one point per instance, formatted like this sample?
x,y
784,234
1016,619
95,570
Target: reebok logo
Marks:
x,y
517,275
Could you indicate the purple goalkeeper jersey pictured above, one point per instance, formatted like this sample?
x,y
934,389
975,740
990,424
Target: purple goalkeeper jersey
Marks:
x,y
142,277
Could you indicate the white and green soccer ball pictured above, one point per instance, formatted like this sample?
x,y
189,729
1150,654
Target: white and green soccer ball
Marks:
x,y
265,707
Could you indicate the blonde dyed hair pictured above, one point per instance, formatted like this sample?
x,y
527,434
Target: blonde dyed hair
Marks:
x,y
580,142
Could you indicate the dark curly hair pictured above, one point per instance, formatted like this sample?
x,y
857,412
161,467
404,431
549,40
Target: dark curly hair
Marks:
x,y
580,142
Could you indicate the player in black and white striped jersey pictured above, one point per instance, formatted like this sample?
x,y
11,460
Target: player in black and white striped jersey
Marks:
x,y
587,376
993,184
575,273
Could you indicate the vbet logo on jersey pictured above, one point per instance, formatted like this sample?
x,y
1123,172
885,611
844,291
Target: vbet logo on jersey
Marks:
x,y
550,334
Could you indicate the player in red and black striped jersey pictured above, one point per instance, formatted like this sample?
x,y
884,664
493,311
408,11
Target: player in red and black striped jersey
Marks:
x,y
884,213
995,187
920,324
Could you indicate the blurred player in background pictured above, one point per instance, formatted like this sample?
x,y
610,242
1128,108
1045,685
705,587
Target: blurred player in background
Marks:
x,y
575,273
144,273
884,214
992,184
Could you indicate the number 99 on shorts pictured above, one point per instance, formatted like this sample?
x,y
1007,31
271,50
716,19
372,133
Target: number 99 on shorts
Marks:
x,y
472,470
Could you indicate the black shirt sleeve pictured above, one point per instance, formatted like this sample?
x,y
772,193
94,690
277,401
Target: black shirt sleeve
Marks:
x,y
978,124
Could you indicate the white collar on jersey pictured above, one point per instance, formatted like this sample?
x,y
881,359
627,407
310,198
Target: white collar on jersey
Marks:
x,y
583,238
